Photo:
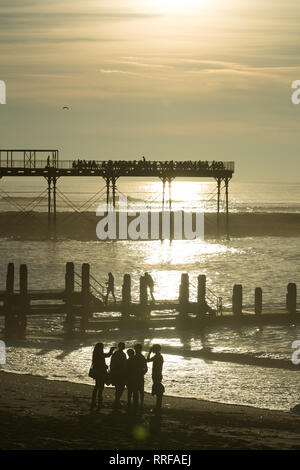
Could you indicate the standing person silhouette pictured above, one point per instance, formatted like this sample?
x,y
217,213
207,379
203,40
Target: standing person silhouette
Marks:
x,y
140,369
150,285
130,369
158,362
110,288
118,371
99,371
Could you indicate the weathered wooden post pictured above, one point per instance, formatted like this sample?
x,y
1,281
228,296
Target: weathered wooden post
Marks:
x,y
143,307
69,295
24,301
85,295
201,294
258,301
184,293
8,300
237,299
291,298
126,295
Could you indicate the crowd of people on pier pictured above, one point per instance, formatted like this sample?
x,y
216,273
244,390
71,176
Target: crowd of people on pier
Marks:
x,y
127,370
146,166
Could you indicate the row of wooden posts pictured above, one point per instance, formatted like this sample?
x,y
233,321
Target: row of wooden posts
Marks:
x,y
16,305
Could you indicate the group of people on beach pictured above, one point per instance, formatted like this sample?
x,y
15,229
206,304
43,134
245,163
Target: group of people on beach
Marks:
x,y
127,369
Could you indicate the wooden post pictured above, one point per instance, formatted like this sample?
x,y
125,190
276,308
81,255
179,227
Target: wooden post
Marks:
x,y
201,294
69,293
258,301
184,293
143,307
126,294
237,299
291,298
24,302
85,295
8,300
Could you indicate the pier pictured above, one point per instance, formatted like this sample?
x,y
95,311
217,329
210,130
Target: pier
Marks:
x,y
47,164
82,296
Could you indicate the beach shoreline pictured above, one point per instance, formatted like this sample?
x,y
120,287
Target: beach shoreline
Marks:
x,y
37,413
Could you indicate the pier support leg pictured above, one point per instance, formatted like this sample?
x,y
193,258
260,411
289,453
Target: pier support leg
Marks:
x,y
170,193
69,292
107,182
143,298
184,293
163,193
54,180
85,294
218,206
227,207
237,299
126,295
201,294
113,183
8,301
49,206
291,298
24,304
258,301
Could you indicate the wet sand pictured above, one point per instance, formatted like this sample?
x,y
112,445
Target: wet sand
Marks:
x,y
36,413
73,226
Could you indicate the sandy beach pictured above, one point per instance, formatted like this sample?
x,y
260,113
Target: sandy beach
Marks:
x,y
36,413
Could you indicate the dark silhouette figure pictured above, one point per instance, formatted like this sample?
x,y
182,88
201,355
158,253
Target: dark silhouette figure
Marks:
x,y
140,369
157,387
150,285
110,288
99,372
130,376
118,371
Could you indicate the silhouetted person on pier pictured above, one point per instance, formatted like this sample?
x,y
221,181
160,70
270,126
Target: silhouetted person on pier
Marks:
x,y
110,288
150,285
99,369
130,376
48,161
157,387
140,369
118,371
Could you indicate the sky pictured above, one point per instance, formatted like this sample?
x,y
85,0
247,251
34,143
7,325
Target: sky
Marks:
x,y
181,79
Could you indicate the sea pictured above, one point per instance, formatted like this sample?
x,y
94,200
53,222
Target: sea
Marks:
x,y
267,262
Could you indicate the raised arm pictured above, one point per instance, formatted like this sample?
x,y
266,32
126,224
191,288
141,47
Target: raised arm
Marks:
x,y
110,352
149,358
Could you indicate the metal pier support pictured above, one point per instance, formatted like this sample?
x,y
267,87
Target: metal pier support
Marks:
x,y
170,192
227,207
218,206
49,206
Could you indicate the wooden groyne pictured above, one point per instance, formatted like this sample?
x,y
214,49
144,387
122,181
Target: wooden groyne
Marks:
x,y
82,295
